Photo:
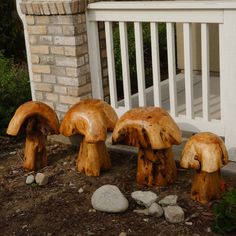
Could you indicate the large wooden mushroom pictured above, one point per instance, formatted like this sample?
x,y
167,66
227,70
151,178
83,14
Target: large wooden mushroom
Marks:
x,y
91,118
41,120
206,153
154,132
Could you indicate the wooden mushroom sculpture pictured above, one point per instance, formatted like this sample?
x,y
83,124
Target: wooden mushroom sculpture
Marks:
x,y
206,153
40,120
91,118
154,132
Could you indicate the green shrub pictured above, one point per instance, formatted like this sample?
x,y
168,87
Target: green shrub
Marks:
x,y
225,213
14,89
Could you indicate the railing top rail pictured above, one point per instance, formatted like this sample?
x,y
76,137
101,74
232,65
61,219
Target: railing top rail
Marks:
x,y
167,5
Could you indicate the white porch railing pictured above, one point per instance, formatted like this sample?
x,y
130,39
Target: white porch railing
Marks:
x,y
168,93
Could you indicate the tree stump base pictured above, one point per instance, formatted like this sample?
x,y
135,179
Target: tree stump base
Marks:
x,y
92,158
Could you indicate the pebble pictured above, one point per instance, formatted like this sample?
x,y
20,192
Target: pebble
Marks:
x,y
24,226
122,234
169,200
17,211
141,211
145,219
92,210
155,210
109,198
174,214
189,223
15,172
80,190
209,229
12,153
145,198
29,179
41,179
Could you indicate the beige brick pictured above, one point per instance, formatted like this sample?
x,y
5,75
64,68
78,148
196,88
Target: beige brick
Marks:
x,y
55,30
69,99
36,8
69,30
49,79
46,8
52,8
85,89
105,72
41,69
66,61
64,20
36,77
30,20
47,60
73,72
58,50
45,39
29,9
60,89
34,59
67,7
81,28
61,71
70,51
83,69
62,107
33,39
39,49
42,20
52,97
39,29
68,81
73,91
82,49
60,8
43,87
62,40
23,8
39,95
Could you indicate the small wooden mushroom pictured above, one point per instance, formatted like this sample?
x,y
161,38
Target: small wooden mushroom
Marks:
x,y
91,118
41,120
206,153
154,132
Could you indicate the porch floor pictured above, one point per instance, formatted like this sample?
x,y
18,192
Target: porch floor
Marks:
x,y
214,101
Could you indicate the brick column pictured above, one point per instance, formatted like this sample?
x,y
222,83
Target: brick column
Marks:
x,y
59,51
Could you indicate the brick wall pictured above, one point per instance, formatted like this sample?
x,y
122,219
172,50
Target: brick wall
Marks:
x,y
59,52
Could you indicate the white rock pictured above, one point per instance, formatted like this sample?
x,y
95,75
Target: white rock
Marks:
x,y
41,179
15,172
12,153
109,198
155,210
29,179
169,200
80,190
174,214
141,211
188,223
145,198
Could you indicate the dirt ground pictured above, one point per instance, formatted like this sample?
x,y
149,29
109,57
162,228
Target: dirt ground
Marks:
x,y
59,209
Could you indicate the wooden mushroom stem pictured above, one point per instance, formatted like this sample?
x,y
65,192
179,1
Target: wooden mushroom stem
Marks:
x,y
35,147
92,158
206,186
156,167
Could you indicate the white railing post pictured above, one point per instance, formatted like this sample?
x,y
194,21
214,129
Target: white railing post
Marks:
x,y
94,59
27,46
228,79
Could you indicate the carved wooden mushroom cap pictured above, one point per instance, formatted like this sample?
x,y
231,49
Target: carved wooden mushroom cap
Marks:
x,y
91,118
46,117
204,151
149,126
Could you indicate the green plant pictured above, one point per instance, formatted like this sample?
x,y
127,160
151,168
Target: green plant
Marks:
x,y
225,213
14,89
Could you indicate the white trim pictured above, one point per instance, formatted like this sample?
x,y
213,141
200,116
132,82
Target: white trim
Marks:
x,y
27,46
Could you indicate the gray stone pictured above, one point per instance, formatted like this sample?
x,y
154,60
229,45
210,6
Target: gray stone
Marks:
x,y
41,179
174,214
155,210
80,190
29,179
141,211
169,200
145,198
109,198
